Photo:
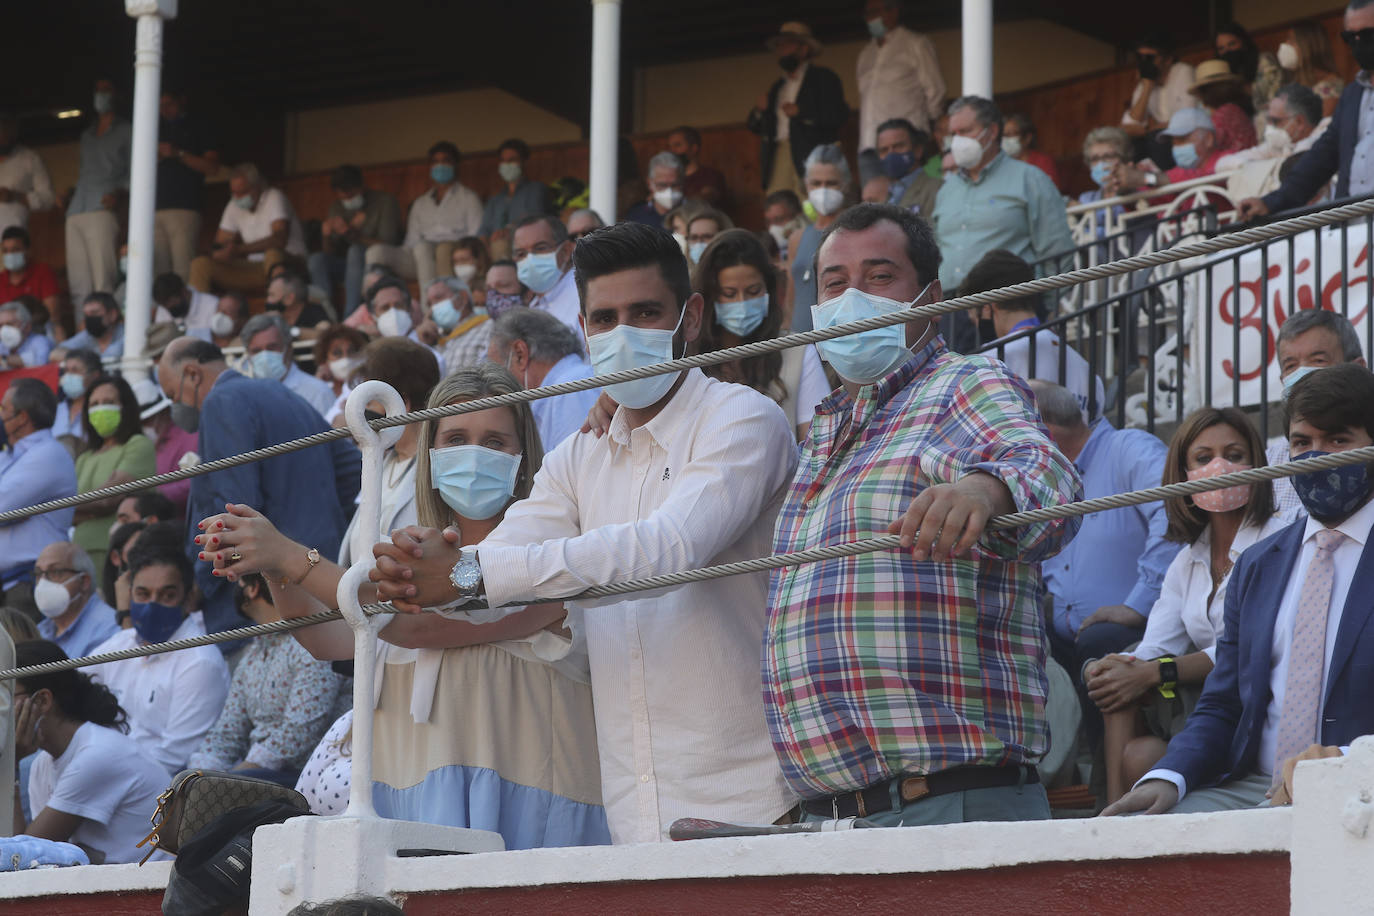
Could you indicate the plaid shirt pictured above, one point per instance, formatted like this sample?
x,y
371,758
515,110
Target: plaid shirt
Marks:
x,y
856,694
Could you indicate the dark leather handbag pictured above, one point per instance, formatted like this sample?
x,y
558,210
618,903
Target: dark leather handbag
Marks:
x,y
198,797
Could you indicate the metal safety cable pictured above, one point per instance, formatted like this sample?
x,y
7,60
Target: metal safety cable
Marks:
x,y
962,303
777,561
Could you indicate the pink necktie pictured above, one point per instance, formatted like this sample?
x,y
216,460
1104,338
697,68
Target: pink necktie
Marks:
x,y
1298,719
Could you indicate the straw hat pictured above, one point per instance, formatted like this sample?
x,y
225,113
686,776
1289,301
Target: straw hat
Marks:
x,y
1213,71
797,30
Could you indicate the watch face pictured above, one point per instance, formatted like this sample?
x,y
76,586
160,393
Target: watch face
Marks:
x,y
466,574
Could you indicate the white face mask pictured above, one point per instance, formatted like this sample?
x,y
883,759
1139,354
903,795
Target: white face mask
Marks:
x,y
343,367
394,322
221,325
52,598
826,200
1277,139
668,198
967,151
11,336
1289,58
465,272
626,347
779,234
1012,147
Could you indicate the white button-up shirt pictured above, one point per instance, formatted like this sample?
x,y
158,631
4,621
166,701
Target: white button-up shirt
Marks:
x,y
562,302
899,78
23,172
675,673
172,699
458,215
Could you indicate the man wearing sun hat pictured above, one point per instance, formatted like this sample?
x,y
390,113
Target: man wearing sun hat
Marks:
x,y
802,110
173,446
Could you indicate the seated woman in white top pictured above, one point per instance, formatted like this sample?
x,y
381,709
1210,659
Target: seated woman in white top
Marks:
x,y
1146,696
91,784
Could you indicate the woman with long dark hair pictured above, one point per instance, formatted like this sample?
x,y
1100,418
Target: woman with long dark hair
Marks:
x,y
91,784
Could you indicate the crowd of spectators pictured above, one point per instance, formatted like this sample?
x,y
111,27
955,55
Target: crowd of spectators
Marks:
x,y
560,722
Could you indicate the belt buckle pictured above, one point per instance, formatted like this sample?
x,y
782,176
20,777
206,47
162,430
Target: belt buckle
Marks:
x,y
834,807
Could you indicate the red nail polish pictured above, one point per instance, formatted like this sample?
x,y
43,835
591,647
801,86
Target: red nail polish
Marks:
x,y
219,524
200,525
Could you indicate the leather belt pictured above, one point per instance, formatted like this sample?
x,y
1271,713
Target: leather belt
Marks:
x,y
878,797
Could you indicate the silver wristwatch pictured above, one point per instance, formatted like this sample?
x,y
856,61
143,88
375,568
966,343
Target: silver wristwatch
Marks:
x,y
467,575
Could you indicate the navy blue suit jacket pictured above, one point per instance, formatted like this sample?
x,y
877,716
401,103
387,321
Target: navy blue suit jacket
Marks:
x,y
1330,155
309,495
1221,740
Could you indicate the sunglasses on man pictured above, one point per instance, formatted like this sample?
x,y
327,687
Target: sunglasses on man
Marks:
x,y
1363,36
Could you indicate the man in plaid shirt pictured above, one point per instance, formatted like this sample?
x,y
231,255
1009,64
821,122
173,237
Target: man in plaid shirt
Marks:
x,y
909,687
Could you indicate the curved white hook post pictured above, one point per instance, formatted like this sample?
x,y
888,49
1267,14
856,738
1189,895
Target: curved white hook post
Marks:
x,y
365,629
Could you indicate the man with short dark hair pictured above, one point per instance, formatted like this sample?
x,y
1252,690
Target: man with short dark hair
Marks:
x,y
269,354
172,699
445,213
36,468
519,197
20,346
911,718
80,367
782,211
1308,340
149,506
23,276
1346,148
395,314
1018,207
185,157
540,350
1292,679
689,474
359,218
901,150
309,494
102,329
699,181
543,260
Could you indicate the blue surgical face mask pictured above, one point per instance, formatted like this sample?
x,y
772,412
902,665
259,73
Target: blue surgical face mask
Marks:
x,y
441,172
868,356
155,622
476,482
742,317
267,364
876,27
1185,156
695,250
1101,172
626,347
1296,376
445,315
1332,494
244,202
896,165
73,385
15,260
540,272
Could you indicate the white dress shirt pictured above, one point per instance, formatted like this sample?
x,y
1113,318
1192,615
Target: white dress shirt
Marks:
x,y
791,85
899,78
172,699
1183,620
675,673
23,172
562,302
1166,98
459,214
1344,559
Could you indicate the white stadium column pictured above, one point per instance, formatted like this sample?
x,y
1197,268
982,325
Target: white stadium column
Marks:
x,y
977,34
605,120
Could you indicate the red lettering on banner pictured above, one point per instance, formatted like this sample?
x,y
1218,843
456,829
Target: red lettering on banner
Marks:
x,y
1253,319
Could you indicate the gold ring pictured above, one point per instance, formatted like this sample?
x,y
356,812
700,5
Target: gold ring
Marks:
x,y
235,557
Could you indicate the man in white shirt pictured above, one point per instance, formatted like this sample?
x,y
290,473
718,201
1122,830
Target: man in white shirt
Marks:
x,y
543,262
899,74
445,213
268,354
539,350
172,699
1295,123
691,476
24,181
1162,88
257,230
1037,355
1292,679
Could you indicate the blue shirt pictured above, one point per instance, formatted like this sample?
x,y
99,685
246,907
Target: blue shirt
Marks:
x,y
309,495
104,165
95,624
36,470
1010,205
67,423
1120,556
560,417
33,349
82,340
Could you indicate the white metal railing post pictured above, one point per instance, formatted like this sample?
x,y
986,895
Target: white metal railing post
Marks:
x,y
365,628
138,300
605,114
